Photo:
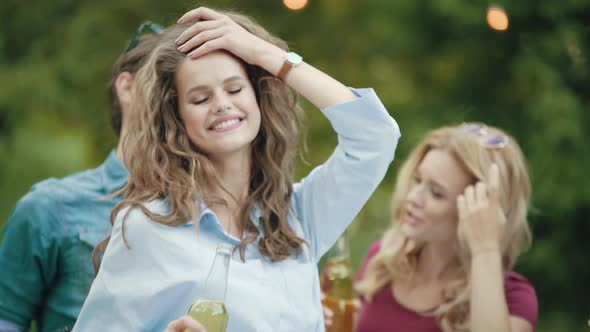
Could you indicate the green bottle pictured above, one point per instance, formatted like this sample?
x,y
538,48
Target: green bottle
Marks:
x,y
210,310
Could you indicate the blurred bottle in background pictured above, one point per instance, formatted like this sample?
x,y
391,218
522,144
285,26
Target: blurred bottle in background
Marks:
x,y
336,281
210,310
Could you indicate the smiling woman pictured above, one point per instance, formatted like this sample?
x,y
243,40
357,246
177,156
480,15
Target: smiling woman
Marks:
x,y
210,162
218,81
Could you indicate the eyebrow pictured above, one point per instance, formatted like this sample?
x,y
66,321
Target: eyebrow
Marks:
x,y
205,87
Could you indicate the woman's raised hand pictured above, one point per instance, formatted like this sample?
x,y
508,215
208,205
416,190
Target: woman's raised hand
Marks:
x,y
481,219
214,31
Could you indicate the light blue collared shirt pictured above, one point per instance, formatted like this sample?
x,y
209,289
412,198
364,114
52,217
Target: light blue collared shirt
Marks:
x,y
154,281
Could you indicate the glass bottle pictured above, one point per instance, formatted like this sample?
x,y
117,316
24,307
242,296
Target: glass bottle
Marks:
x,y
336,281
210,310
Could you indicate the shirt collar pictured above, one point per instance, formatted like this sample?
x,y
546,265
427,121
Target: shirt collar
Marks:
x,y
114,172
255,214
208,220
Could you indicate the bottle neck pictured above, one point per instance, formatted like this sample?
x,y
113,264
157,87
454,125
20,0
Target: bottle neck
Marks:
x,y
340,250
216,282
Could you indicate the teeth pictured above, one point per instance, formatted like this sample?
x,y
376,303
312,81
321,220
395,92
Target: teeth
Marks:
x,y
225,124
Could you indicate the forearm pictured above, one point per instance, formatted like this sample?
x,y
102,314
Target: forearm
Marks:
x,y
314,85
489,311
367,138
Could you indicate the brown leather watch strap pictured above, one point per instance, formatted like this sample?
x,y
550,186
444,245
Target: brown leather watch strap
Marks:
x,y
284,70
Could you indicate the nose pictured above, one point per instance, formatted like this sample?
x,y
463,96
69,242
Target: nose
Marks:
x,y
221,103
416,195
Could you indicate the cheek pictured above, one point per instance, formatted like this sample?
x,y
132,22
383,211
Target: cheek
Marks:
x,y
257,121
254,113
444,221
445,212
193,124
191,119
247,101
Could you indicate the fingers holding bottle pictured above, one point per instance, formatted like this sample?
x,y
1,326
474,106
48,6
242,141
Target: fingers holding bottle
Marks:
x,y
185,324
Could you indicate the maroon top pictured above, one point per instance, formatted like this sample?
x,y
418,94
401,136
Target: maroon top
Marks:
x,y
386,314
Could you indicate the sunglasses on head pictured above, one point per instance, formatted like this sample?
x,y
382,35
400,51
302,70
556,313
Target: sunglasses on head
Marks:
x,y
485,137
149,25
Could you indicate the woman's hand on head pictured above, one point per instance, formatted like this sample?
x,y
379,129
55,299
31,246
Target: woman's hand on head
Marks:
x,y
185,324
481,219
215,31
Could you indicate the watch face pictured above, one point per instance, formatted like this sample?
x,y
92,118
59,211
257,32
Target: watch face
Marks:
x,y
293,58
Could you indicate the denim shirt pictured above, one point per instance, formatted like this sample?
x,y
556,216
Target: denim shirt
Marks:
x,y
45,251
153,280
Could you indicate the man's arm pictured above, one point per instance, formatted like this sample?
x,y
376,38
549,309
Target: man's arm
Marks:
x,y
28,257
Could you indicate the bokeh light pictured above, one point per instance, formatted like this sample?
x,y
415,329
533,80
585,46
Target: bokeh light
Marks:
x,y
295,4
497,18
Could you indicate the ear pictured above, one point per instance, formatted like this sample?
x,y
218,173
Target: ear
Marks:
x,y
124,87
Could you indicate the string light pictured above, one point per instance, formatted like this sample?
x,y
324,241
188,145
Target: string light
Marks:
x,y
295,4
497,18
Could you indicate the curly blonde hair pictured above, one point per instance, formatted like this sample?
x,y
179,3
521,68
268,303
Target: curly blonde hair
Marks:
x,y
397,258
164,164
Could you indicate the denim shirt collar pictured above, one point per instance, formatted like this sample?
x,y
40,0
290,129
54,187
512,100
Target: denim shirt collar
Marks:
x,y
114,172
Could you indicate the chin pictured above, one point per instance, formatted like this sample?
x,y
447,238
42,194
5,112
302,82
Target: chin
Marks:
x,y
408,230
231,144
411,232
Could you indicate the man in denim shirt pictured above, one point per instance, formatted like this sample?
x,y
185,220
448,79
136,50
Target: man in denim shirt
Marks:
x,y
45,252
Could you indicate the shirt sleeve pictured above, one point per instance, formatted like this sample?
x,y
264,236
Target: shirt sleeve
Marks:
x,y
28,256
327,200
521,298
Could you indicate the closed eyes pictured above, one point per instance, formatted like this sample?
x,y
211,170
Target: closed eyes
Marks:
x,y
231,92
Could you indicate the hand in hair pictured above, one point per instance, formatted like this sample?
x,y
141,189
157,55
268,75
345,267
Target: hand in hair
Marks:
x,y
185,324
481,219
215,31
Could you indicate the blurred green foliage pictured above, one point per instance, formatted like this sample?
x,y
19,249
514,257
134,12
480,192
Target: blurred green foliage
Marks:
x,y
433,62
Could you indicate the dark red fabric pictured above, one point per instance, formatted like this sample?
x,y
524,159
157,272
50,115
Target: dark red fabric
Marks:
x,y
385,314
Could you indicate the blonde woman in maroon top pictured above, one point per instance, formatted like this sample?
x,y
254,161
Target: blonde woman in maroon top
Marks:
x,y
459,223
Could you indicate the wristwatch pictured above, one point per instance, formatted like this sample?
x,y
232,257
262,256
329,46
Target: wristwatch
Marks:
x,y
292,59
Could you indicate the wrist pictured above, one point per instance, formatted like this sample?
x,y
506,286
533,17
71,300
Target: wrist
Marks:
x,y
487,260
486,250
270,58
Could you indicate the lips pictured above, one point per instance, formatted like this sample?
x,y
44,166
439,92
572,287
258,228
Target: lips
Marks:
x,y
226,123
411,218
